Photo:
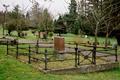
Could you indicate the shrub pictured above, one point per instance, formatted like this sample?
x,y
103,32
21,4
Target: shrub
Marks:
x,y
50,34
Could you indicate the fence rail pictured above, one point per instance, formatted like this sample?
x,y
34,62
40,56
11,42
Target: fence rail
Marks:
x,y
46,56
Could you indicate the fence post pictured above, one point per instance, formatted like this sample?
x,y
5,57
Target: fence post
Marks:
x,y
17,50
76,54
46,60
7,48
116,56
29,55
79,57
94,54
37,46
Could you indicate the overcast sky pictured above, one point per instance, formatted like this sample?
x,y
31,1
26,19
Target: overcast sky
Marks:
x,y
55,6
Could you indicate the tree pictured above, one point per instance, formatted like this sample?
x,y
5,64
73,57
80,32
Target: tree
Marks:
x,y
60,25
115,18
72,16
35,14
1,17
41,18
16,21
67,21
99,13
46,21
13,18
111,19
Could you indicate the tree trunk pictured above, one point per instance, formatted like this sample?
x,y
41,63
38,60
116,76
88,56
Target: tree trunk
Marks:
x,y
96,31
118,38
106,40
107,34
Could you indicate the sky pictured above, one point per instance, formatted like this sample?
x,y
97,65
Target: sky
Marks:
x,y
55,7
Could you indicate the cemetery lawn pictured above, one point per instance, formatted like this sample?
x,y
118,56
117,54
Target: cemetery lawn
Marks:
x,y
12,69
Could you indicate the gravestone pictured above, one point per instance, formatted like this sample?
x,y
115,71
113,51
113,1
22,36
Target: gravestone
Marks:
x,y
59,47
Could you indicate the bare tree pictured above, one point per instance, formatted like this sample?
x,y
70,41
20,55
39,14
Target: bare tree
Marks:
x,y
100,15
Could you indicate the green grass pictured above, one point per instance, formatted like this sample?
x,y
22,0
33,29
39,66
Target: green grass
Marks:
x,y
69,38
73,38
12,69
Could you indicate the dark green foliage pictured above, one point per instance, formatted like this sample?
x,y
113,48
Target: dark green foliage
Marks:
x,y
72,16
50,34
60,25
72,22
68,22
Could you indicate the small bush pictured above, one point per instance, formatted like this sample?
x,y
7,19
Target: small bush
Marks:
x,y
50,34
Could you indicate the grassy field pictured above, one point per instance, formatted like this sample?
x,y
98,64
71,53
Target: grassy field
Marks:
x,y
12,69
68,37
78,38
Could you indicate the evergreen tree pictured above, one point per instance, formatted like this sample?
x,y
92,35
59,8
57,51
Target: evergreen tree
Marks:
x,y
72,16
